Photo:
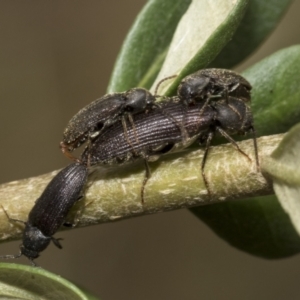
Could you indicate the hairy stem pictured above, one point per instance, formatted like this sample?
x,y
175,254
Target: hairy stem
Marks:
x,y
176,182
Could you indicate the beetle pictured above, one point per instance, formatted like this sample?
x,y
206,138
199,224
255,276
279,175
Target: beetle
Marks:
x,y
156,133
213,84
50,210
91,120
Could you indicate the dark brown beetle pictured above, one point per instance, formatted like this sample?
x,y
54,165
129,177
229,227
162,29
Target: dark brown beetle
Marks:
x,y
101,113
156,134
50,210
213,84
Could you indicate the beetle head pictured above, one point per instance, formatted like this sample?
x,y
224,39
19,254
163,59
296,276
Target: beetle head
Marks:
x,y
138,100
192,88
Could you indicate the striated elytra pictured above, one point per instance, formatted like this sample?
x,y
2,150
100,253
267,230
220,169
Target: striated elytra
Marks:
x,y
101,113
50,210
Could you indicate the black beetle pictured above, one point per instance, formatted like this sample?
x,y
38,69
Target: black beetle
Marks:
x,y
101,113
50,211
208,84
156,134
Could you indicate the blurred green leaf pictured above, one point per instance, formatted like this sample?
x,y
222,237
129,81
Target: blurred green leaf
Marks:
x,y
276,91
145,46
201,34
283,166
24,282
259,21
276,107
258,226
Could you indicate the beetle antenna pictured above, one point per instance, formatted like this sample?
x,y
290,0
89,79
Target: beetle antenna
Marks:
x,y
11,219
255,148
161,81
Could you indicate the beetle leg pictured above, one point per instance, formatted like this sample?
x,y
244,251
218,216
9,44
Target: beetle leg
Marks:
x,y
11,219
235,110
146,178
255,149
233,142
79,212
56,242
233,88
123,120
133,127
207,145
67,153
180,125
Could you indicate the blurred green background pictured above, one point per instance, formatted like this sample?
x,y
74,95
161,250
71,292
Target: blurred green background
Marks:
x,y
57,56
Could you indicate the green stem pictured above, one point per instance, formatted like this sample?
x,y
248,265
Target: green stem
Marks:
x,y
176,182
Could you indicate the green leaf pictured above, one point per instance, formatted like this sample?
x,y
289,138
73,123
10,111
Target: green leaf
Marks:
x,y
145,46
24,282
201,34
275,105
283,166
276,91
258,226
259,21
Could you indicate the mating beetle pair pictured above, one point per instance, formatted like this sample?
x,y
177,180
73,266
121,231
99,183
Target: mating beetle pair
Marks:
x,y
224,91
201,86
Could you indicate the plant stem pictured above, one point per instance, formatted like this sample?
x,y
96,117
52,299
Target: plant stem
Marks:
x,y
176,182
